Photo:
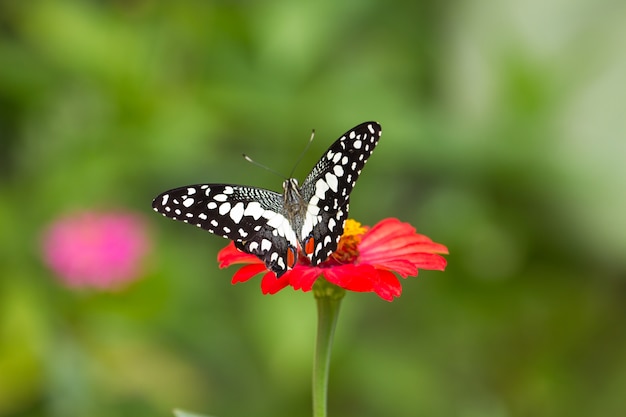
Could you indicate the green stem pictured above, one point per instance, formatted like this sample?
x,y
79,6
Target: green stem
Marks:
x,y
328,297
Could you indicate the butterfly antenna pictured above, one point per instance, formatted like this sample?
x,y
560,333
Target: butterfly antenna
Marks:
x,y
260,165
306,148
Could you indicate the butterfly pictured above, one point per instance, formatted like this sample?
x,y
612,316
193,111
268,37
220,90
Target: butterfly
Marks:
x,y
276,228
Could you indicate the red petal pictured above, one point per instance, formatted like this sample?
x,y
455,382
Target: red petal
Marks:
x,y
398,239
231,255
246,272
430,261
409,267
303,277
394,245
387,286
271,285
401,245
365,278
386,229
403,267
352,277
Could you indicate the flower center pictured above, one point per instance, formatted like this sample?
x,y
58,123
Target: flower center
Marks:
x,y
347,249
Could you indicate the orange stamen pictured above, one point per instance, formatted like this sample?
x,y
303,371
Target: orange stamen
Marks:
x,y
347,249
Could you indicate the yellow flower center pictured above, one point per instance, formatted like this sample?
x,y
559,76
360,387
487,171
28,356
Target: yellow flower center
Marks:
x,y
347,249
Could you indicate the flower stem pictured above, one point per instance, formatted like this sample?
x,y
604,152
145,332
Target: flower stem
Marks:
x,y
328,297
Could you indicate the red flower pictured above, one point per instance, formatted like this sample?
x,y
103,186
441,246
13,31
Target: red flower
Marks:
x,y
364,261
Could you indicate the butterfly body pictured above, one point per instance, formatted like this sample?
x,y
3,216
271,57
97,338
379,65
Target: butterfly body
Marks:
x,y
275,227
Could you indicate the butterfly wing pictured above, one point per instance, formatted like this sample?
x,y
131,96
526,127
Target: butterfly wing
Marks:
x,y
252,217
328,186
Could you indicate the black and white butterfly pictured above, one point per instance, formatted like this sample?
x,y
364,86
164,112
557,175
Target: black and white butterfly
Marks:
x,y
275,227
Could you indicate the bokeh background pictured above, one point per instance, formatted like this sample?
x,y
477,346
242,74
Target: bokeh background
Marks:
x,y
504,137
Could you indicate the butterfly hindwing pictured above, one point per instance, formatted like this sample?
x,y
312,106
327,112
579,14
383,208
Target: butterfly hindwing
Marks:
x,y
328,186
277,252
326,234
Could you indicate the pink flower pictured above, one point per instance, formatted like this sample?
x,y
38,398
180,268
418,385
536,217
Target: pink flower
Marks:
x,y
101,250
365,261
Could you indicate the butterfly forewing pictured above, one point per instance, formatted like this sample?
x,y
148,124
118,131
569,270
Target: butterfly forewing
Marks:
x,y
327,188
252,217
257,219
231,211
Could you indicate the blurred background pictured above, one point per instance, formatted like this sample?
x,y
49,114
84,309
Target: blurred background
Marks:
x,y
504,138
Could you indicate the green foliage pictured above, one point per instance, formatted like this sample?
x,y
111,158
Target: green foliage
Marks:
x,y
503,138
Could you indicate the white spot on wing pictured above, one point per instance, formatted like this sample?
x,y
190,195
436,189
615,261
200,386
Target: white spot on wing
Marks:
x,y
276,221
224,208
309,222
236,213
313,209
188,202
253,209
331,180
268,214
220,197
320,188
